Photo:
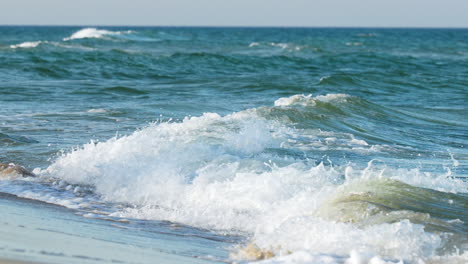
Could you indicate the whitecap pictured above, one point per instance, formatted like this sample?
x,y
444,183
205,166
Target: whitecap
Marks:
x,y
31,44
300,99
332,97
354,43
308,100
97,110
280,45
94,33
283,46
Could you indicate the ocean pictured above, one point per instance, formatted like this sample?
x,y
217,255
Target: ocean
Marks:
x,y
234,145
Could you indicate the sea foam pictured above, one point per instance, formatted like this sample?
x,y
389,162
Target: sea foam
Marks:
x,y
305,100
31,44
94,33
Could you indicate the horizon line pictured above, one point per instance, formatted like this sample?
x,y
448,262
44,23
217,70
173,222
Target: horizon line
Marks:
x,y
235,26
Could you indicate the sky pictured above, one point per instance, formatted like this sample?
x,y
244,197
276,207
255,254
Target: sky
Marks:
x,y
285,13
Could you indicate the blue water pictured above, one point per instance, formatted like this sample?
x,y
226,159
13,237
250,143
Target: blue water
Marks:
x,y
287,139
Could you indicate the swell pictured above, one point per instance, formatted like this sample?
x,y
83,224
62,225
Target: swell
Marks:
x,y
116,61
124,90
15,140
240,59
132,62
362,118
387,195
377,201
69,64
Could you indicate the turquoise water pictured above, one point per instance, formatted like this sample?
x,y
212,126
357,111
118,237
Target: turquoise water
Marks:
x,y
312,144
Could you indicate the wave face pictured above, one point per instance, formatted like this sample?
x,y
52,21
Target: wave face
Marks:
x,y
303,145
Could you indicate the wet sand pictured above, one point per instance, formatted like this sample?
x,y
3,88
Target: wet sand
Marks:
x,y
7,261
36,232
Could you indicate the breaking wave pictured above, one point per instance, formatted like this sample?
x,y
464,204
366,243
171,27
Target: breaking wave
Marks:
x,y
29,44
95,33
308,100
236,174
281,46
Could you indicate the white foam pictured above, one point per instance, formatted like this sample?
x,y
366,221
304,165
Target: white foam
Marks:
x,y
455,162
354,43
26,45
308,100
54,193
295,99
94,33
34,44
302,257
280,45
283,46
333,97
305,257
97,110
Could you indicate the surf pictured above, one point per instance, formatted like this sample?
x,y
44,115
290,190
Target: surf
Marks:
x,y
227,174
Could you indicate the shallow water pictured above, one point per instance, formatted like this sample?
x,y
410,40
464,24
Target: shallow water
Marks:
x,y
314,144
35,231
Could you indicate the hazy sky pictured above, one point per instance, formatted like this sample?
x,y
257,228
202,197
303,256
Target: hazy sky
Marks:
x,y
370,13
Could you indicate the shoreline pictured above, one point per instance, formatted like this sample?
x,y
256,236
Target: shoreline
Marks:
x,y
12,261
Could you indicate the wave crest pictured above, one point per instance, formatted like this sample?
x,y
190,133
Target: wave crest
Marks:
x,y
94,33
308,100
28,44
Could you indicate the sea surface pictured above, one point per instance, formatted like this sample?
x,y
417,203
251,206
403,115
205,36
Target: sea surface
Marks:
x,y
222,145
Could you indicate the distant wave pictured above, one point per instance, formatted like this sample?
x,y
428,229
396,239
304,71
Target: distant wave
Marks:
x,y
354,43
94,33
97,110
124,90
283,46
15,140
28,44
367,35
254,44
35,44
272,44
